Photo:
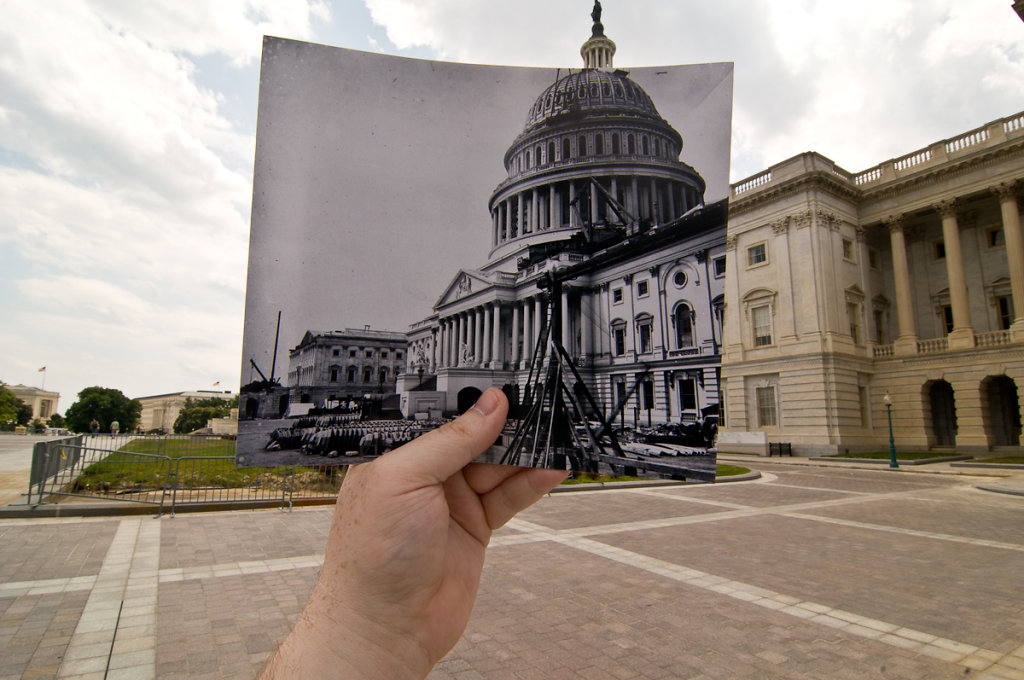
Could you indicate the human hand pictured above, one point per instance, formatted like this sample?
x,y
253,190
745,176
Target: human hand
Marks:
x,y
405,553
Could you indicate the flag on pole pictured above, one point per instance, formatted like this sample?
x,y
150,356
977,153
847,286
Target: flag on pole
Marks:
x,y
42,370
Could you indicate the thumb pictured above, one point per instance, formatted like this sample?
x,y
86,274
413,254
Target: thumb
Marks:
x,y
441,453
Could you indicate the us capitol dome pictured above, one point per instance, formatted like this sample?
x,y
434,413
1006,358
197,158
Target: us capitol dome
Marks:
x,y
594,151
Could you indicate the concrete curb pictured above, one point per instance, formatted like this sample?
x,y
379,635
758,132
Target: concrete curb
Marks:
x,y
23,511
1008,490
997,466
883,461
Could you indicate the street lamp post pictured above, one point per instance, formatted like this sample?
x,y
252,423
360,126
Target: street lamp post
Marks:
x,y
892,441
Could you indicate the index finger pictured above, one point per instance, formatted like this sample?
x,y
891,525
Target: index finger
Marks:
x,y
441,453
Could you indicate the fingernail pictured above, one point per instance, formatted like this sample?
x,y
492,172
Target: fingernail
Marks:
x,y
486,404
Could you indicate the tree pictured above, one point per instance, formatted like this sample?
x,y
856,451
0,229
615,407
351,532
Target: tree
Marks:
x,y
196,412
105,404
56,420
13,411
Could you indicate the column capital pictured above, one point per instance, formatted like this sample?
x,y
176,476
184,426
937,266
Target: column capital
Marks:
x,y
862,235
946,207
780,226
895,223
1006,190
731,242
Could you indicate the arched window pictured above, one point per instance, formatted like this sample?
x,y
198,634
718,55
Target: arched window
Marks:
x,y
565,149
631,144
527,165
616,147
645,333
682,320
581,145
351,374
599,145
618,337
551,152
646,147
606,89
537,157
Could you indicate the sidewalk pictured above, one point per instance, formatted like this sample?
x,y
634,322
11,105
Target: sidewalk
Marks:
x,y
810,572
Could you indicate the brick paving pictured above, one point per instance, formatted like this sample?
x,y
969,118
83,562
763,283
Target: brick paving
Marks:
x,y
811,572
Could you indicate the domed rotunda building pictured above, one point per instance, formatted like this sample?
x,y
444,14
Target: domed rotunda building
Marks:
x,y
595,184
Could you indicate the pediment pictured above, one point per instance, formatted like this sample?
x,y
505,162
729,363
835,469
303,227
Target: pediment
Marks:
x,y
466,282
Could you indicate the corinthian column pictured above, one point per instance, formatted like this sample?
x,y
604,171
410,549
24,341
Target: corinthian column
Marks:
x,y
485,358
1014,252
906,342
515,335
528,332
496,360
962,335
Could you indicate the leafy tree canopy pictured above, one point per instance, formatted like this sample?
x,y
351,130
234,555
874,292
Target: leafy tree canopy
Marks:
x,y
105,404
57,420
13,411
196,412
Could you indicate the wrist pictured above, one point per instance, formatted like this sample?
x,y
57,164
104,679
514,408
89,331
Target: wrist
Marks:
x,y
331,640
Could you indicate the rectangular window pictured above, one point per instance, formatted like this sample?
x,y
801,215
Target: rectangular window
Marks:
x,y
352,353
762,322
383,354
647,394
879,326
757,254
767,415
947,319
334,374
645,337
853,311
940,250
620,340
398,354
1004,307
617,296
688,394
335,352
873,258
996,237
369,354
719,267
642,288
367,374
848,250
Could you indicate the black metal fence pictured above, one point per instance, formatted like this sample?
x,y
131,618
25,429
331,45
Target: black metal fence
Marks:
x,y
167,472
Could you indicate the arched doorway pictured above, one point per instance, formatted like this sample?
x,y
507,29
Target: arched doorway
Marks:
x,y
1001,410
466,398
942,407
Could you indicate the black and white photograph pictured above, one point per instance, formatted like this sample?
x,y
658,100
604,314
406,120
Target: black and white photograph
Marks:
x,y
424,230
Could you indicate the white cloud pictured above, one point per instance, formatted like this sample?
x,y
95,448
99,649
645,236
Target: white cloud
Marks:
x,y
859,82
124,191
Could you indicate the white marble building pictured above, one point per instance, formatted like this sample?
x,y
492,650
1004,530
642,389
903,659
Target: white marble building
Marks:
x,y
904,279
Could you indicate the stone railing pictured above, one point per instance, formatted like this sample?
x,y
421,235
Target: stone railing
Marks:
x,y
881,351
686,351
932,346
751,183
993,338
992,133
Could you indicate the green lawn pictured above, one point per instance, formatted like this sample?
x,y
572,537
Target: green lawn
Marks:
x,y
143,465
730,471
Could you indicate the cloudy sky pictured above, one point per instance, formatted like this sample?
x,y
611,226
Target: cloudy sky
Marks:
x,y
127,133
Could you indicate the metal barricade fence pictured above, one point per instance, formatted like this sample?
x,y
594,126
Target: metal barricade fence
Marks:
x,y
84,471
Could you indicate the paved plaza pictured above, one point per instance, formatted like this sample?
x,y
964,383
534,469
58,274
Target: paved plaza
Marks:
x,y
809,572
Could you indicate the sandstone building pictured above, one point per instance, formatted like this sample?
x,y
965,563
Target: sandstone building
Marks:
x,y
904,279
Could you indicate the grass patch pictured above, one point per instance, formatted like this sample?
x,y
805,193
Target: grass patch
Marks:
x,y
730,470
143,465
884,455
